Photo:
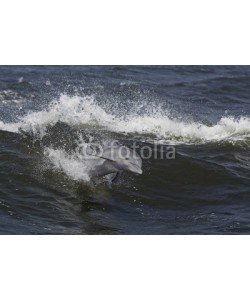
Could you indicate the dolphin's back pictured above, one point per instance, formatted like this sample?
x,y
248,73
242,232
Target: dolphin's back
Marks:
x,y
101,167
121,152
114,159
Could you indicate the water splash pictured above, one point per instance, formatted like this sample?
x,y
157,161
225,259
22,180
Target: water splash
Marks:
x,y
73,165
145,120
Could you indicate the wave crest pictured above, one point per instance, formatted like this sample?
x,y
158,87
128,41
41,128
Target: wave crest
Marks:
x,y
147,120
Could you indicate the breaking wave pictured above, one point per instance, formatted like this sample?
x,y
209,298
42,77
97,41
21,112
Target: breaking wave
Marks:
x,y
147,120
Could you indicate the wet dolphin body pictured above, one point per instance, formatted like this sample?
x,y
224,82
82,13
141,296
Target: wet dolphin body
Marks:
x,y
112,160
115,160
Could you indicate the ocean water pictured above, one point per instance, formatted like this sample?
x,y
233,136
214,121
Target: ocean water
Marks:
x,y
201,113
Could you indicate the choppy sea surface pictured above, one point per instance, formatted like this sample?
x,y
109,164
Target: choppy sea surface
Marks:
x,y
47,114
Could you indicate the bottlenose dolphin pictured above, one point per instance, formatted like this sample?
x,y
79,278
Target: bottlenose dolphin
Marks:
x,y
114,160
111,159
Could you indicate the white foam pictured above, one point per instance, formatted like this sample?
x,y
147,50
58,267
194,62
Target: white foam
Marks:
x,y
72,165
71,110
228,128
144,119
11,127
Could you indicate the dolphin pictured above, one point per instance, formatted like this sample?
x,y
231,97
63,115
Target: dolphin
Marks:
x,y
111,159
114,160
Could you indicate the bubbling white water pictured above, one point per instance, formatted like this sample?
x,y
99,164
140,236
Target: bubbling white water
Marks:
x,y
10,127
72,165
80,111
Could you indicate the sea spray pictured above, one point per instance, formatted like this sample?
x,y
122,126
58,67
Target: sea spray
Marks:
x,y
152,124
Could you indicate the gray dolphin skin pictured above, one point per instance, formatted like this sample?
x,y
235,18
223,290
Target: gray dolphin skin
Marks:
x,y
115,160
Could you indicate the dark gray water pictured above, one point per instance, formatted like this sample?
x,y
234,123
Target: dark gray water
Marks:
x,y
48,112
